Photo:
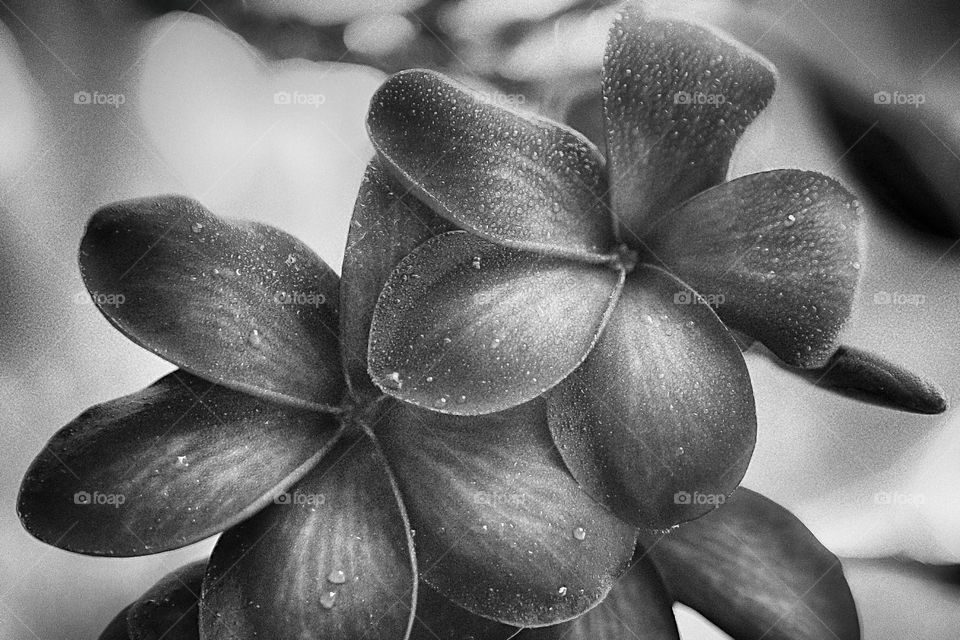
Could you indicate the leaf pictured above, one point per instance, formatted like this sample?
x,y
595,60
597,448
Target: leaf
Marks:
x,y
676,96
520,181
467,327
778,251
166,466
238,303
387,224
501,527
659,422
754,570
334,560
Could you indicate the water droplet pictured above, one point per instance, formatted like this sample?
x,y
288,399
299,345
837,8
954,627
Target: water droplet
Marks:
x,y
254,339
196,227
429,378
328,599
476,262
648,319
791,220
290,259
393,381
580,533
461,399
495,343
337,576
182,461
441,401
562,591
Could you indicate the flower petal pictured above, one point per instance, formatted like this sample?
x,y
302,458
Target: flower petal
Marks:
x,y
167,610
164,467
238,303
439,619
524,182
779,252
638,607
387,224
754,570
676,98
661,411
502,528
334,560
467,327
869,377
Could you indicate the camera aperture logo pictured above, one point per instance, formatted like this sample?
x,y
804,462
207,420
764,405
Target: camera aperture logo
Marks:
x,y
688,297
300,499
99,99
699,97
97,498
685,497
299,99
899,99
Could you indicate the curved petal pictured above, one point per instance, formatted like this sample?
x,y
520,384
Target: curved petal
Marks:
x,y
167,610
387,224
659,421
501,527
778,251
439,619
638,607
238,303
869,377
465,326
164,467
524,182
332,560
676,98
755,571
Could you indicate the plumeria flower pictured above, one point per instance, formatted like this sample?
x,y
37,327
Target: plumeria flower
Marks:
x,y
318,481
609,286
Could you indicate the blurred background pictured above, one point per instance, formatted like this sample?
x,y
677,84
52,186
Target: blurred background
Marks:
x,y
256,108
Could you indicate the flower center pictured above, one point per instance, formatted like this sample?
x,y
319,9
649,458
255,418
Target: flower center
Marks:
x,y
624,258
358,416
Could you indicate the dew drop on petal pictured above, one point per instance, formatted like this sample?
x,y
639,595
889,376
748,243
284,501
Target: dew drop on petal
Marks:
x,y
441,401
328,599
562,591
337,576
290,259
791,220
429,378
254,339
580,533
196,227
393,381
476,262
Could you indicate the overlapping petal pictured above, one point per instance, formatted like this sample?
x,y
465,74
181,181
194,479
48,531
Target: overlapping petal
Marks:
x,y
465,326
333,560
517,180
501,527
238,303
778,251
387,224
164,467
754,570
167,610
676,98
659,421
